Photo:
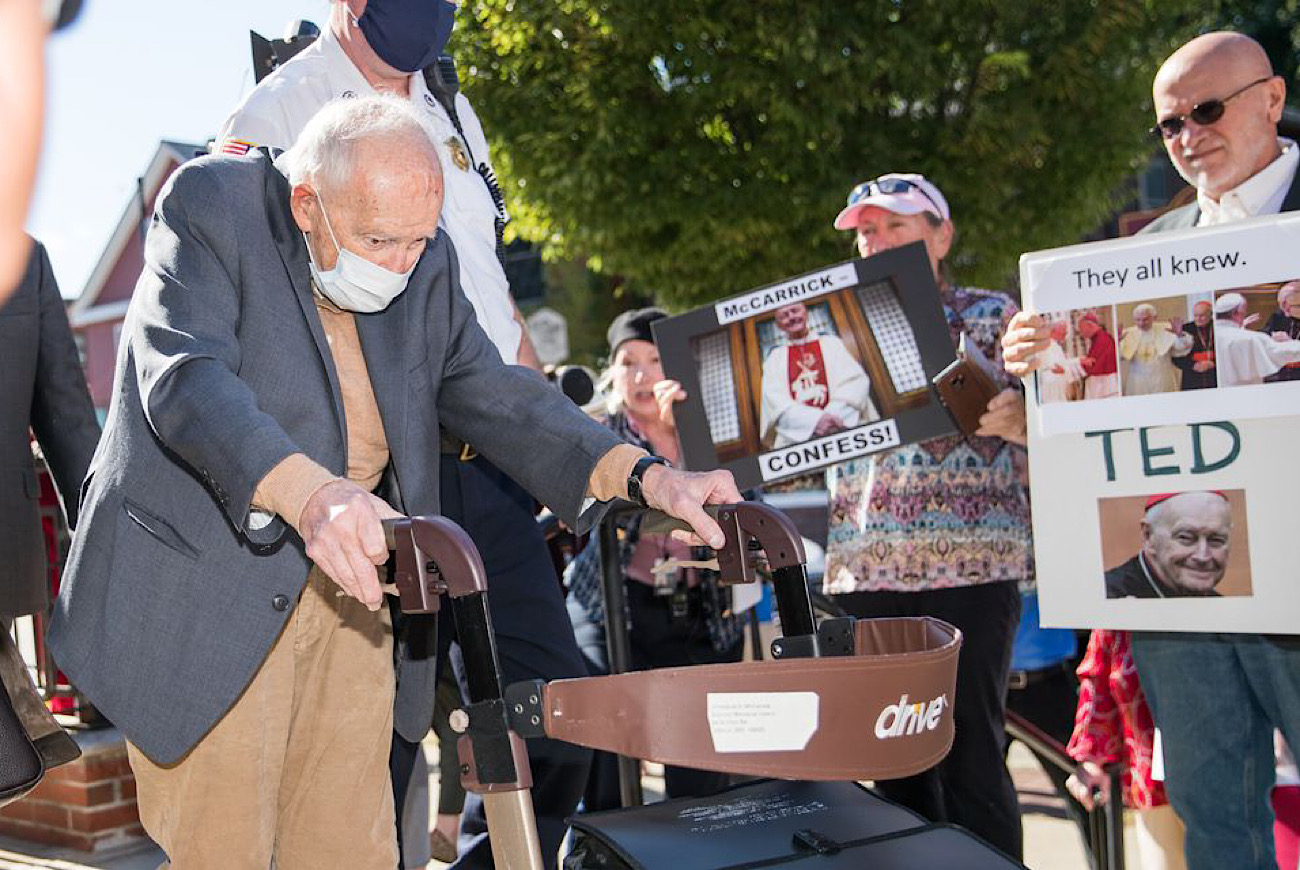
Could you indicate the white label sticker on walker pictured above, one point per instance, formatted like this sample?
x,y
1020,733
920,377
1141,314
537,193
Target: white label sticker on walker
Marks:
x,y
762,721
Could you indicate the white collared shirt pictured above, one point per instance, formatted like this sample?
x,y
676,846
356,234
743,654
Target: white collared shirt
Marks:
x,y
1261,194
275,112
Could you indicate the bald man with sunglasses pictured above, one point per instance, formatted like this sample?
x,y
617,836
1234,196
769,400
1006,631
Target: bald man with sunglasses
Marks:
x,y
1215,697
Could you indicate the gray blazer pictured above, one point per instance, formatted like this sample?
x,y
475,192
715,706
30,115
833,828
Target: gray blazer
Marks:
x,y
171,600
41,386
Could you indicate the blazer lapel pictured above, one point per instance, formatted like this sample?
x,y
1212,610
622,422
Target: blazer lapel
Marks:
x,y
293,253
1292,201
384,343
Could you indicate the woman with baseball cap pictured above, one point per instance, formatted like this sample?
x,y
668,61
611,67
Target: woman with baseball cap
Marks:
x,y
941,528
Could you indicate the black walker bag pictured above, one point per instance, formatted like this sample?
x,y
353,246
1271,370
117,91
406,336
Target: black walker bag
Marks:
x,y
776,823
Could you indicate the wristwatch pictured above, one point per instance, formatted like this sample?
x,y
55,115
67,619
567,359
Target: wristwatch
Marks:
x,y
634,493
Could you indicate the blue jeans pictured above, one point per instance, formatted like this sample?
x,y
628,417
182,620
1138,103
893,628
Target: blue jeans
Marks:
x,y
1216,699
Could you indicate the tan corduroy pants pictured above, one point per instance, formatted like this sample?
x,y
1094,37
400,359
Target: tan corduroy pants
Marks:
x,y
297,770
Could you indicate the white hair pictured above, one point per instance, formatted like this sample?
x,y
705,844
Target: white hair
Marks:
x,y
325,151
1145,307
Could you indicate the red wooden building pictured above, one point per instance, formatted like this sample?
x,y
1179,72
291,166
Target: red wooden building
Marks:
x,y
96,315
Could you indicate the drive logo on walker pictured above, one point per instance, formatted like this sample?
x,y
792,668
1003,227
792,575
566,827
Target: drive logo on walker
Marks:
x,y
901,719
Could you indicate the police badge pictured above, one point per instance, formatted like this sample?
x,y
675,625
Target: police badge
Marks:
x,y
459,155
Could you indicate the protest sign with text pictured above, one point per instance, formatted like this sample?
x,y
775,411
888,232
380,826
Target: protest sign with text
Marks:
x,y
1160,482
810,371
1191,327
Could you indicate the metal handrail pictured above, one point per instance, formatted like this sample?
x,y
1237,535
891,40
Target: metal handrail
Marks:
x,y
1105,822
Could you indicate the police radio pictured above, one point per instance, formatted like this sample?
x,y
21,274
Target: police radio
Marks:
x,y
270,53
443,83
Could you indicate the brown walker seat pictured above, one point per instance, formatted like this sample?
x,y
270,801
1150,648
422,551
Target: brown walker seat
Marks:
x,y
883,712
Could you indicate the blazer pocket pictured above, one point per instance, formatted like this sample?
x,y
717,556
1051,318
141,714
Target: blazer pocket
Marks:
x,y
159,529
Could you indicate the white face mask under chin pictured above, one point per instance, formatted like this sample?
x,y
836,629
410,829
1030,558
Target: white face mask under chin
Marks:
x,y
356,284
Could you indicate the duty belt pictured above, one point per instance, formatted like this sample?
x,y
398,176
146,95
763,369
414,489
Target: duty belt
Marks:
x,y
1025,679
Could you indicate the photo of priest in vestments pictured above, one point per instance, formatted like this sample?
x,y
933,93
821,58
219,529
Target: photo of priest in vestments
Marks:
x,y
812,385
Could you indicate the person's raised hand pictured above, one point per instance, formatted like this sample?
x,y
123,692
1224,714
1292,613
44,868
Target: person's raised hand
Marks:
x,y
1176,325
683,494
1250,320
667,394
1025,337
1005,417
340,524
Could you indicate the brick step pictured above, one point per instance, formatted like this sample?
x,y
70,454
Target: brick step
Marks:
x,y
88,804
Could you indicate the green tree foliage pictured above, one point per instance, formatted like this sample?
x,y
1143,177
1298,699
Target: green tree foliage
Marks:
x,y
1276,25
700,148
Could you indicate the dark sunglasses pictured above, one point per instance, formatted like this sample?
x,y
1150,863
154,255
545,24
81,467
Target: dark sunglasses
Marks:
x,y
1205,113
889,186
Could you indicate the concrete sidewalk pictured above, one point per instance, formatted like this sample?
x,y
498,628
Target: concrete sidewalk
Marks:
x,y
1051,840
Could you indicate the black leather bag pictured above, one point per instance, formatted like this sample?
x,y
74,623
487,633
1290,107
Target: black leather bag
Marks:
x,y
31,741
775,823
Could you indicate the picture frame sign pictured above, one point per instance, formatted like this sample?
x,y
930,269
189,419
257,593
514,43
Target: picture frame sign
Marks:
x,y
810,371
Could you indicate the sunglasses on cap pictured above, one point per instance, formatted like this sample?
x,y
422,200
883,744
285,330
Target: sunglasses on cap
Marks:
x,y
1205,113
869,189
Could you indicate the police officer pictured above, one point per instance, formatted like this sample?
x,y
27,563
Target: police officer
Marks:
x,y
383,45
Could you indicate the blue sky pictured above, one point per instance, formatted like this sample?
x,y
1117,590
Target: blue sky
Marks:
x,y
128,74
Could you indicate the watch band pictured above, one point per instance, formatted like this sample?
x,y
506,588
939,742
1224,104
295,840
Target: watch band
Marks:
x,y
634,492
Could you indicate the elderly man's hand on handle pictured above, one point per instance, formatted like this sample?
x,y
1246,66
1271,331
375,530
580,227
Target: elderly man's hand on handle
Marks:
x,y
1026,336
340,524
683,494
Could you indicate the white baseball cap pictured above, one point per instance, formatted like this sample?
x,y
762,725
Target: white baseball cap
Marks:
x,y
899,192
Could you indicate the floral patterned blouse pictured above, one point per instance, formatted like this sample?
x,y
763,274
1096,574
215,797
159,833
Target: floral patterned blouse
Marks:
x,y
951,511
1112,722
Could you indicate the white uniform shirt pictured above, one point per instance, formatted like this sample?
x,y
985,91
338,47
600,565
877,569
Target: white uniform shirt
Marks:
x,y
275,112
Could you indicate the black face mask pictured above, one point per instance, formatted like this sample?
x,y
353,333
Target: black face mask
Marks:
x,y
408,35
